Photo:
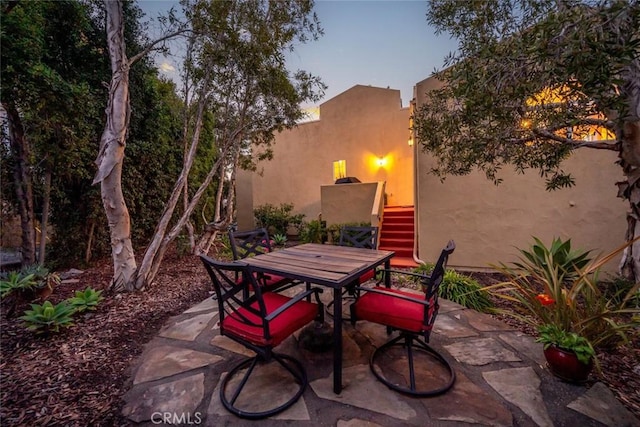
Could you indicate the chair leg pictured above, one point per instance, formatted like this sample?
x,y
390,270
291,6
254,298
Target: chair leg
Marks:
x,y
292,365
407,341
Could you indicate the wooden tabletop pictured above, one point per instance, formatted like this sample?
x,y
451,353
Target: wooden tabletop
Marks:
x,y
327,265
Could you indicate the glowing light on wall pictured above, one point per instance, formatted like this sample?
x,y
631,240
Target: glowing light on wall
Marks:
x,y
339,169
381,162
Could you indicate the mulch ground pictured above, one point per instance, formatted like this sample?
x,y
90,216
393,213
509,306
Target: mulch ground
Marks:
x,y
77,377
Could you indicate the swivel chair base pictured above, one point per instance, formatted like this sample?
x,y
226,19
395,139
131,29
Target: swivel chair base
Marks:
x,y
229,400
412,343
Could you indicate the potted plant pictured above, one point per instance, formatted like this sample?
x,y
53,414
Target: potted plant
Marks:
x,y
568,355
555,290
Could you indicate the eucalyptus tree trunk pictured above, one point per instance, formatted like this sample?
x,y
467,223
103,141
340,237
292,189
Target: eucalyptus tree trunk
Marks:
x,y
630,190
111,154
168,237
155,250
22,182
44,223
220,223
629,136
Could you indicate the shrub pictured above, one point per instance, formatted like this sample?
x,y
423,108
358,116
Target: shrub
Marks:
x,y
313,232
46,318
277,219
461,289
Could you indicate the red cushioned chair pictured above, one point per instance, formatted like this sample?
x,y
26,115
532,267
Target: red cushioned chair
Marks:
x,y
255,242
259,322
413,316
357,237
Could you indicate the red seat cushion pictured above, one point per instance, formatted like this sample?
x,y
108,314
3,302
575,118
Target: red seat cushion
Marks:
x,y
391,311
280,328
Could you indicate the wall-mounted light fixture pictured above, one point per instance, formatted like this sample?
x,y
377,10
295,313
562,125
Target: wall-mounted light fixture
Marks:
x,y
381,162
339,169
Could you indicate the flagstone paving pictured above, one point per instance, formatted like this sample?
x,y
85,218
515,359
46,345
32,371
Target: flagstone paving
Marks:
x,y
501,380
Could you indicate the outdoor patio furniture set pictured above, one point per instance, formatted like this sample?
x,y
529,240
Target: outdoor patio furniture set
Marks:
x,y
256,313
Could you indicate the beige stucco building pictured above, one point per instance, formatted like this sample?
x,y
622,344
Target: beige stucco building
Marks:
x,y
366,124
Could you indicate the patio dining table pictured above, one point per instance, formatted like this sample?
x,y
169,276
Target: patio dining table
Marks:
x,y
324,265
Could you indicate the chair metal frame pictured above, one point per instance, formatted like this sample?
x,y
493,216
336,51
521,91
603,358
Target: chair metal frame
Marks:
x,y
257,313
416,338
359,237
256,242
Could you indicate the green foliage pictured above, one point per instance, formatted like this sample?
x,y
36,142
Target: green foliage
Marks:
x,y
313,231
334,230
279,239
558,261
553,335
42,275
183,246
46,318
224,247
494,108
461,289
617,288
567,296
85,300
277,219
16,282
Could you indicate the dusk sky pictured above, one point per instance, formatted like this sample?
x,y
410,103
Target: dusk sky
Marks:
x,y
382,43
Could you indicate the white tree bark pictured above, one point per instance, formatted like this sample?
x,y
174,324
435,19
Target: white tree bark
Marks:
x,y
145,274
111,155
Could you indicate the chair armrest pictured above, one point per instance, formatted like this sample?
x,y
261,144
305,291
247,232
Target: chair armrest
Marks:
x,y
394,295
292,301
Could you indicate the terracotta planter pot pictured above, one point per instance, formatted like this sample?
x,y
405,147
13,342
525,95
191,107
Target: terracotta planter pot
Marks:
x,y
565,365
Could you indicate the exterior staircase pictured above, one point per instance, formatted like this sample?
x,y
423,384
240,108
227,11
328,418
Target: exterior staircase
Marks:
x,y
397,234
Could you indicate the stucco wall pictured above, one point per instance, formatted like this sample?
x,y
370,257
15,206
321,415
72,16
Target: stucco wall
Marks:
x,y
358,126
359,198
489,222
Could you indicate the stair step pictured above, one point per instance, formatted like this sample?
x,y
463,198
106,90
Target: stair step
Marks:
x,y
403,262
397,220
400,243
398,214
397,227
399,251
397,234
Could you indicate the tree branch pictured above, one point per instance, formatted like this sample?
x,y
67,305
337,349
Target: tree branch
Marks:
x,y
600,145
153,44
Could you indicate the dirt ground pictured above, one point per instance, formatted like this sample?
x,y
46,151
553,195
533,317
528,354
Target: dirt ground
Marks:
x,y
77,377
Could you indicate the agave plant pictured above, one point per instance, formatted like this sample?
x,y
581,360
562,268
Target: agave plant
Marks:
x,y
46,318
86,300
16,282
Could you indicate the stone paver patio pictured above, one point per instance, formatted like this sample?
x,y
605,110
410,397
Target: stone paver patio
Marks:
x,y
501,380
